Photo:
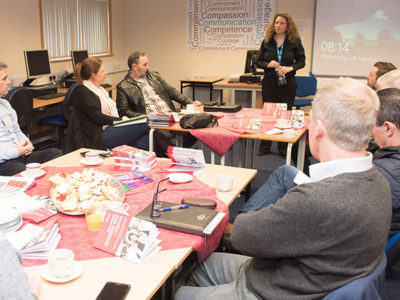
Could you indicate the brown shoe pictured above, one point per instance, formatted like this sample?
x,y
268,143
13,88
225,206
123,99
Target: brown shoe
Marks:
x,y
265,148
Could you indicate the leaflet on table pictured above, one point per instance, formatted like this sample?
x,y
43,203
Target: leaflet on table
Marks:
x,y
22,202
34,238
45,210
10,185
130,121
272,108
186,159
127,237
133,180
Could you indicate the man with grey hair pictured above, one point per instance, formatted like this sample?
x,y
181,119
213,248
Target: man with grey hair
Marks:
x,y
320,235
16,150
389,80
145,92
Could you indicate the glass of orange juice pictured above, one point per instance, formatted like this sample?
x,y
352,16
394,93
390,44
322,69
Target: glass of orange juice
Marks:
x,y
94,220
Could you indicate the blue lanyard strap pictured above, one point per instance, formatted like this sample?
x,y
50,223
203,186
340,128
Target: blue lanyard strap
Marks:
x,y
279,51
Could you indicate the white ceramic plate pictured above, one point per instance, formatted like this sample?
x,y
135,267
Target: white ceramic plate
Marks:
x,y
95,163
42,173
78,269
180,177
283,127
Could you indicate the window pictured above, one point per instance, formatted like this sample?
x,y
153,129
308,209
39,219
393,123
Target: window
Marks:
x,y
75,25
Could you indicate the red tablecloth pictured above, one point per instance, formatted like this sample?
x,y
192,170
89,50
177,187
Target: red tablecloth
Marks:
x,y
75,236
231,126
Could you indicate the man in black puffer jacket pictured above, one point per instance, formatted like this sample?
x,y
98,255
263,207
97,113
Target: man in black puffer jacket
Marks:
x,y
387,159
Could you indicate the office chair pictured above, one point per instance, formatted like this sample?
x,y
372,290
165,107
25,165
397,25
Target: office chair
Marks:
x,y
306,87
365,288
392,251
21,100
60,121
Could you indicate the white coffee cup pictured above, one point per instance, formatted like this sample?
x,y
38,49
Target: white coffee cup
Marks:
x,y
33,169
289,133
224,182
190,108
91,157
116,206
282,122
61,262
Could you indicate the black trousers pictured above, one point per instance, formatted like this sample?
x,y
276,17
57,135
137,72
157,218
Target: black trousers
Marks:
x,y
15,166
272,92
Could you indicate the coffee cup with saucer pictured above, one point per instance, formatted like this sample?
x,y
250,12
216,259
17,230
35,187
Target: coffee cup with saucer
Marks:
x,y
61,266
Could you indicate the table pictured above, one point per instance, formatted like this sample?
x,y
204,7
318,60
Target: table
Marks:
x,y
157,275
207,82
299,137
254,88
41,103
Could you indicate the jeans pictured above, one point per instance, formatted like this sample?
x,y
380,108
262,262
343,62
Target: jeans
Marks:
x,y
135,135
220,276
280,181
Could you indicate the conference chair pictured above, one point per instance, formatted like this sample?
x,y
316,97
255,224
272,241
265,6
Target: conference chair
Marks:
x,y
365,288
392,251
306,89
60,121
21,100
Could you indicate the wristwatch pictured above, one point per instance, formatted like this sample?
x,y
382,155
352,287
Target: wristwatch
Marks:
x,y
291,68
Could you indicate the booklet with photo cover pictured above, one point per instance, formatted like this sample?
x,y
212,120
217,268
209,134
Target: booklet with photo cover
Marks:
x,y
128,237
194,219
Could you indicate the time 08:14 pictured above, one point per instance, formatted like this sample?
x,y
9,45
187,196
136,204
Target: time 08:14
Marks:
x,y
334,47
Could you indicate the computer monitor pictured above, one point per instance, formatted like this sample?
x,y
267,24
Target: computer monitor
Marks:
x,y
78,56
37,63
250,66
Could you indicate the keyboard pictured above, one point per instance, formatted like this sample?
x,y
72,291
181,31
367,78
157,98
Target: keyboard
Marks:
x,y
51,96
106,85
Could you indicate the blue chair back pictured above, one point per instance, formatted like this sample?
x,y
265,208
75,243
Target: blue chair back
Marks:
x,y
65,104
21,100
365,288
306,85
392,251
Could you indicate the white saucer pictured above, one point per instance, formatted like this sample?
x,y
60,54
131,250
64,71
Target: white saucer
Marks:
x,y
41,173
283,127
95,163
78,269
180,177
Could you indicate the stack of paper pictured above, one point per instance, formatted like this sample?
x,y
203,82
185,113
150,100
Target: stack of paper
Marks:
x,y
133,158
186,159
35,242
127,237
162,120
12,185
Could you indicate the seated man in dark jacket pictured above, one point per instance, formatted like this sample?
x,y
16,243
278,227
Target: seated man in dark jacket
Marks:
x,y
387,159
143,92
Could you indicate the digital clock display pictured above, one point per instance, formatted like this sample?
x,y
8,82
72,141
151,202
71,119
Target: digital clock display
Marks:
x,y
329,46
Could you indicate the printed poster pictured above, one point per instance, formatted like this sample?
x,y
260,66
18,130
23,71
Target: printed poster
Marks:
x,y
227,25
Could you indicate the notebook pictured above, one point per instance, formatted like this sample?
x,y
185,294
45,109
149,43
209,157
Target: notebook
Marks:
x,y
194,220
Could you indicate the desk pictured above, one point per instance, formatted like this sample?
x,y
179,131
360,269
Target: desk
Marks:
x,y
38,103
256,98
207,82
156,275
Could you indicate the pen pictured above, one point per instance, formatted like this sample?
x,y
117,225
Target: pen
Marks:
x,y
174,207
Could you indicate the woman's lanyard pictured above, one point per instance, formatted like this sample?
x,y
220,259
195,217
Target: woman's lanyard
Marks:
x,y
279,51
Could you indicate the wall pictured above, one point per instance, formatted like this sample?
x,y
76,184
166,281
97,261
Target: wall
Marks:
x,y
159,29
20,30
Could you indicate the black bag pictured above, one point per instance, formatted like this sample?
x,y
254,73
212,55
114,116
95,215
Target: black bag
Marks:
x,y
194,121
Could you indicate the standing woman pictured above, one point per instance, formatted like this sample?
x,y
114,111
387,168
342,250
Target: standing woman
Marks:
x,y
281,55
94,112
